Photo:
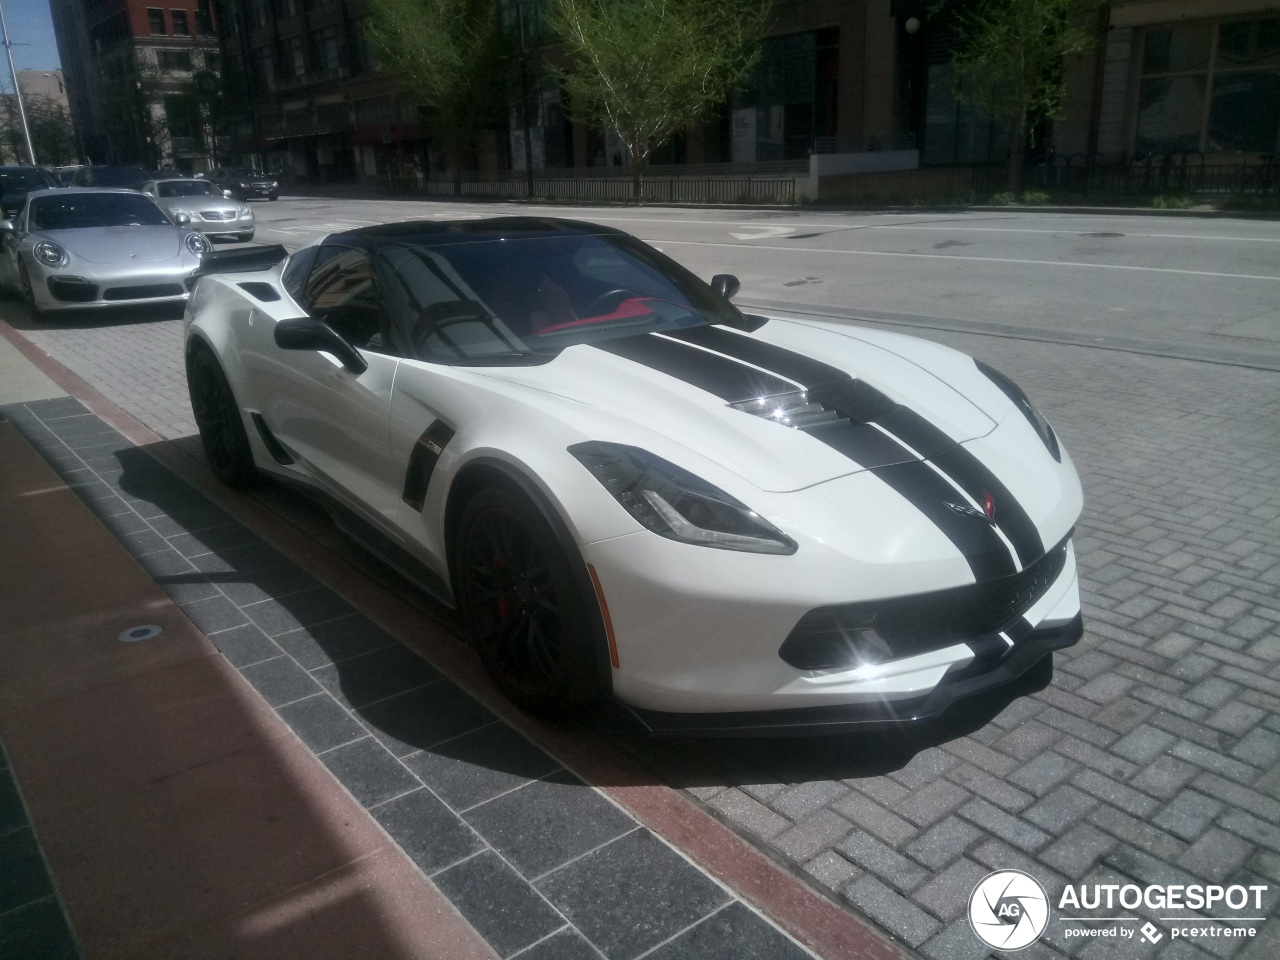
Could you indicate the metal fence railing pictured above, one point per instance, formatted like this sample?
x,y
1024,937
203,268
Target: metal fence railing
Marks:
x,y
727,189
1190,173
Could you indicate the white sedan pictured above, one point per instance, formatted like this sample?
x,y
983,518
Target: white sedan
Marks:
x,y
629,488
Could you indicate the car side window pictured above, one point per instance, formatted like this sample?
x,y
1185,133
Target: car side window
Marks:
x,y
296,271
342,292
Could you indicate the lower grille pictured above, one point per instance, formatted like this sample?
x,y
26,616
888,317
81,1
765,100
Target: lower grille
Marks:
x,y
148,291
832,638
72,290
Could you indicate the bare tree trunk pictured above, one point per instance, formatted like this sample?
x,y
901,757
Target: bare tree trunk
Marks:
x,y
638,164
1018,153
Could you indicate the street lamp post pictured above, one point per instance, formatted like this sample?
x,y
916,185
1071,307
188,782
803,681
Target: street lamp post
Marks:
x,y
17,91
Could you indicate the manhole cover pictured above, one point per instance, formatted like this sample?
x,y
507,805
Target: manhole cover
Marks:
x,y
144,632
1106,235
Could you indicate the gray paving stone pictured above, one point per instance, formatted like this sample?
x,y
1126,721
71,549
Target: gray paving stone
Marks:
x,y
891,910
1042,773
1075,852
925,767
748,814
998,823
803,800
1060,808
943,842
932,802
885,862
831,870
1216,855
1144,744
1215,762
810,836
979,782
875,819
1116,794
946,894
1165,777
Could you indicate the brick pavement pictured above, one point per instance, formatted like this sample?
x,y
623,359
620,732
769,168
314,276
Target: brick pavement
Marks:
x,y
1154,754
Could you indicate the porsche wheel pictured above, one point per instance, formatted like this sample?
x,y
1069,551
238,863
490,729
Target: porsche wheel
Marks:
x,y
518,599
29,293
222,433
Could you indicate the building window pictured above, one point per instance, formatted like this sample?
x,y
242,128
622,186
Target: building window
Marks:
x,y
173,61
292,60
287,9
327,48
179,18
1210,88
155,17
204,18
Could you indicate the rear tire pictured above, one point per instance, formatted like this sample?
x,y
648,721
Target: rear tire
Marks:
x,y
526,615
222,433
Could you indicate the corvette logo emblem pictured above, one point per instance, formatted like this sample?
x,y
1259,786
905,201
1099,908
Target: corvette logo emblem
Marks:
x,y
987,513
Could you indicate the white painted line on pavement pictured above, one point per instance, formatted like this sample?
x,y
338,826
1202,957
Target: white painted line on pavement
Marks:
x,y
943,256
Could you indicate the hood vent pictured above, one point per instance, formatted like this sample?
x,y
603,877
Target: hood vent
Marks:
x,y
847,401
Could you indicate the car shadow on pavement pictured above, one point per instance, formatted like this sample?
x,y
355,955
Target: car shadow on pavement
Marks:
x,y
323,665
18,316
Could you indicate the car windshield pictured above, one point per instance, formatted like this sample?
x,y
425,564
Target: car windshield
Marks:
x,y
73,210
482,300
187,188
14,181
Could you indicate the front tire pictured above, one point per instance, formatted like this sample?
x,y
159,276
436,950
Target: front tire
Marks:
x,y
519,601
273,196
222,433
29,293
244,237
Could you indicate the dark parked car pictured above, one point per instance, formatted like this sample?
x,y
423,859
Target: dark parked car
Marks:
x,y
17,182
244,183
129,177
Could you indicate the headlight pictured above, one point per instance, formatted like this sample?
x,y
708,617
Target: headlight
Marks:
x,y
176,212
245,211
198,244
1025,407
275,183
674,503
50,254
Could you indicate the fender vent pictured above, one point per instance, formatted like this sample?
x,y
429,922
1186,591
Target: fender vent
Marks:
x,y
422,462
262,291
278,453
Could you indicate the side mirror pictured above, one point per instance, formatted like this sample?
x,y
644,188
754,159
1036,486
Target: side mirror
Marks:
x,y
725,284
227,194
182,219
306,333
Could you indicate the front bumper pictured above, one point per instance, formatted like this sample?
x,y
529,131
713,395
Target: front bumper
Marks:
x,y
81,289
1031,650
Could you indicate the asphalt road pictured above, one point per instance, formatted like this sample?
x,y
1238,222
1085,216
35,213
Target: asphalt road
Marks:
x,y
1154,755
1174,286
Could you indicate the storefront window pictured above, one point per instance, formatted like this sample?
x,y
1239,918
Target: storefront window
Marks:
x,y
1202,89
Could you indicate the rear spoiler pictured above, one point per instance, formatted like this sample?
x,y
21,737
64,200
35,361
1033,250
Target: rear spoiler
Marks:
x,y
242,259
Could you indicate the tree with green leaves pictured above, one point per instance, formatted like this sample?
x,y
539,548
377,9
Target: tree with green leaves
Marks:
x,y
650,68
1010,62
447,55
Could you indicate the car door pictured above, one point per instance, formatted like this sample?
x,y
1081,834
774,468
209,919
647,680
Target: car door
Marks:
x,y
333,420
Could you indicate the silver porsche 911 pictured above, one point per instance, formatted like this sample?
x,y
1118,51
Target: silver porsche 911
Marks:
x,y
93,248
213,210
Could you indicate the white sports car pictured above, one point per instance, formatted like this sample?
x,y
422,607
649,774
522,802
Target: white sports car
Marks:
x,y
627,487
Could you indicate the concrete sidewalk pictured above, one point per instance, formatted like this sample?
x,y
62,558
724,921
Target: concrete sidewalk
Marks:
x,y
275,773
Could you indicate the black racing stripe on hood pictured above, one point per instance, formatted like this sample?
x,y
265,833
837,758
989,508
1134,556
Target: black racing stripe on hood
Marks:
x,y
973,477
728,379
786,363
985,552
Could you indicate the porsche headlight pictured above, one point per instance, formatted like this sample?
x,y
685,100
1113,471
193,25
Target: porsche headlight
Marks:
x,y
198,244
49,253
674,503
1025,407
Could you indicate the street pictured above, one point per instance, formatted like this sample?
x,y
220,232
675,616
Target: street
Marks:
x,y
1153,345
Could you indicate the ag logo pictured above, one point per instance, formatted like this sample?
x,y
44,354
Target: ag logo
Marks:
x,y
1008,910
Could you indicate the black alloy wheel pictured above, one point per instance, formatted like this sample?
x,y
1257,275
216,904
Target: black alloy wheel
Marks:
x,y
517,596
222,433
